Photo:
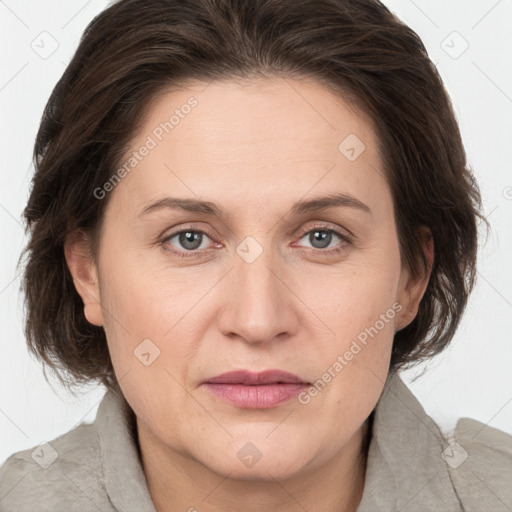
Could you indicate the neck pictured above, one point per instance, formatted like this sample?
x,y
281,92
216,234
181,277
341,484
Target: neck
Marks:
x,y
177,482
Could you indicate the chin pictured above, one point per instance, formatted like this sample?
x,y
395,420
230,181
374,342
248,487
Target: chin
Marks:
x,y
260,460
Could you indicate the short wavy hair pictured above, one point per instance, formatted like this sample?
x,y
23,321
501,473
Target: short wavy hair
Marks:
x,y
136,50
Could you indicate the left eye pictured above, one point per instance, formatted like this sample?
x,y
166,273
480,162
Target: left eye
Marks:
x,y
321,238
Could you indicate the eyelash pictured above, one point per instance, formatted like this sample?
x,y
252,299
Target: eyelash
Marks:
x,y
346,240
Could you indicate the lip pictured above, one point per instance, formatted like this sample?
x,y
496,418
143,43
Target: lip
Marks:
x,y
249,390
251,379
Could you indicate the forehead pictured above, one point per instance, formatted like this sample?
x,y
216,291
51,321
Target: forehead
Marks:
x,y
249,139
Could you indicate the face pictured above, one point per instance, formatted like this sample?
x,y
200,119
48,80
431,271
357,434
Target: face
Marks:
x,y
260,278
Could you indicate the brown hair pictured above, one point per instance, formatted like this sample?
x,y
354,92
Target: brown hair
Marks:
x,y
136,49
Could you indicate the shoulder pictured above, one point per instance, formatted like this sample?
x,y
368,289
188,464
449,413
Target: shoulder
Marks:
x,y
413,465
479,459
63,474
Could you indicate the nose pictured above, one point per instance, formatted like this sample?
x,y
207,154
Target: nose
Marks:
x,y
260,304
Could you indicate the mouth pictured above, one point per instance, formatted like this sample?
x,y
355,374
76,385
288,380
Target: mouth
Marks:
x,y
262,390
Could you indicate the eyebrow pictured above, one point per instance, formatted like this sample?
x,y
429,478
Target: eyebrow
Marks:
x,y
298,208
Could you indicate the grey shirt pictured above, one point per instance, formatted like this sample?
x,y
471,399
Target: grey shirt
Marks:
x,y
410,466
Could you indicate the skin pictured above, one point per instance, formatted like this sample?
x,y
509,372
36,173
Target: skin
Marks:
x,y
254,148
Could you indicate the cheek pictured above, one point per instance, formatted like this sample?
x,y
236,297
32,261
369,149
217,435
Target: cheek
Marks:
x,y
155,320
355,297
360,308
131,310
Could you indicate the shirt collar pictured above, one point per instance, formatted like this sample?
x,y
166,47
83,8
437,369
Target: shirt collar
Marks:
x,y
125,481
404,469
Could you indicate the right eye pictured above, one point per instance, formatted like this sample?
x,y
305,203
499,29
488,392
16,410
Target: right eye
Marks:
x,y
185,241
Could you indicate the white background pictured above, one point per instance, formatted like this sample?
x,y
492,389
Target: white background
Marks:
x,y
472,378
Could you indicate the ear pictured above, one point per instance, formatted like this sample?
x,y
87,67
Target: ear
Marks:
x,y
77,251
412,289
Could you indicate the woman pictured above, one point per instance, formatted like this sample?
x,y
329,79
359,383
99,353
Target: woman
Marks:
x,y
246,218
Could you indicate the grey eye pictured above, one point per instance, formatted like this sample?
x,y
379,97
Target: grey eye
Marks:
x,y
189,239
